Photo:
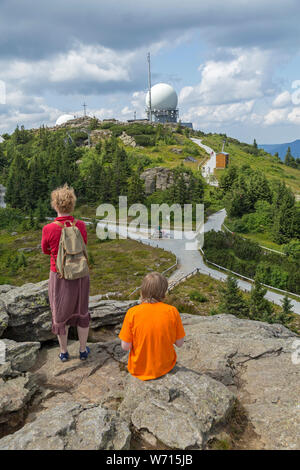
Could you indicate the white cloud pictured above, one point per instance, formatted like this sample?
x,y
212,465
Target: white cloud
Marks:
x,y
276,116
84,63
282,100
245,76
294,116
204,116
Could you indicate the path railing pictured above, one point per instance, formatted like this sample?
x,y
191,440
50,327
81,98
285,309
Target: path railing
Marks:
x,y
249,279
261,246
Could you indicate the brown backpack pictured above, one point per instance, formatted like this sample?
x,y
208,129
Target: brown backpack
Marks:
x,y
72,257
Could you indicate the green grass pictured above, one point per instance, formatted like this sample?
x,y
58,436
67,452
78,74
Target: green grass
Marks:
x,y
162,155
119,265
264,161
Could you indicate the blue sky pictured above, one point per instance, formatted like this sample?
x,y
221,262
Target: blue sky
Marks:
x,y
233,63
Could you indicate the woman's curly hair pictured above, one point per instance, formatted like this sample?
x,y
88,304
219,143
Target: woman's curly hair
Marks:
x,y
63,199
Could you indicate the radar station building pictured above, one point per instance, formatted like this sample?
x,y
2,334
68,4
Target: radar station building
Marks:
x,y
161,105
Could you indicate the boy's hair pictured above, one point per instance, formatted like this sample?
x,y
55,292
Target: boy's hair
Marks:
x,y
154,288
63,199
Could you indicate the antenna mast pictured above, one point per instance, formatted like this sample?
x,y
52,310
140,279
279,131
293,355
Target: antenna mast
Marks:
x,y
149,85
84,109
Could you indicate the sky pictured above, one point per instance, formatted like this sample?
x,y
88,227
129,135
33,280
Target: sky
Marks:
x,y
235,65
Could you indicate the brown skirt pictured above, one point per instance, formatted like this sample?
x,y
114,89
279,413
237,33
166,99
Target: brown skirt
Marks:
x,y
69,302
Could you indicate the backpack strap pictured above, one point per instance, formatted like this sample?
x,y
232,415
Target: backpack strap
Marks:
x,y
58,223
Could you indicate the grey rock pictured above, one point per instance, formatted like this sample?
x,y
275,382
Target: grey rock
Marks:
x,y
3,318
98,428
15,394
29,313
47,432
128,139
70,426
22,356
5,288
180,409
6,372
254,359
158,178
108,312
176,150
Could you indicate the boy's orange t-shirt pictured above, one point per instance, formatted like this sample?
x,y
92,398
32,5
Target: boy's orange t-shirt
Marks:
x,y
152,329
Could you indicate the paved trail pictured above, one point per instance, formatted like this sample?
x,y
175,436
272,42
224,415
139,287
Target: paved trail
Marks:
x,y
188,260
209,166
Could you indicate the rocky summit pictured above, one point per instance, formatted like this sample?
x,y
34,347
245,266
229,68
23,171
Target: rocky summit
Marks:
x,y
234,386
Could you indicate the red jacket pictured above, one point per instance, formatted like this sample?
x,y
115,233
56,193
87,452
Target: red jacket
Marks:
x,y
51,237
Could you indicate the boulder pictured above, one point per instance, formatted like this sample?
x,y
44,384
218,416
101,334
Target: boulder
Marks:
x,y
158,178
108,312
177,151
127,139
69,426
254,359
22,356
14,396
29,313
181,409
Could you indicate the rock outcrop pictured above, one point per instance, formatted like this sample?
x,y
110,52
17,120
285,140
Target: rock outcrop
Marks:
x,y
15,394
25,312
158,178
229,371
21,356
29,317
127,139
69,426
108,312
254,359
180,410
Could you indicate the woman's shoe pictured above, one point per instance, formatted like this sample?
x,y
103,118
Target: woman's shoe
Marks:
x,y
84,355
64,357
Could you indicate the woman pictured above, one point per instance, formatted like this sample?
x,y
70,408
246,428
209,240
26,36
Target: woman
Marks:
x,y
69,299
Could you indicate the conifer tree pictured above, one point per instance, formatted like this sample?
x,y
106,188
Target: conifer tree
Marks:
x,y
287,310
258,305
17,184
136,191
232,301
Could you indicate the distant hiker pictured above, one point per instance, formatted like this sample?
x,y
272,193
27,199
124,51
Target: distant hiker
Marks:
x,y
150,331
65,241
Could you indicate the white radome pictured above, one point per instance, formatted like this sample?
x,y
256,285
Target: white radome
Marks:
x,y
163,97
63,119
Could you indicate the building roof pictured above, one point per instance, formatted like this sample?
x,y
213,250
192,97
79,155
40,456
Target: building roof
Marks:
x,y
223,153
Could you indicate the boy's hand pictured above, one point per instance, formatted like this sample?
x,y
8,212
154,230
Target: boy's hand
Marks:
x,y
179,342
126,346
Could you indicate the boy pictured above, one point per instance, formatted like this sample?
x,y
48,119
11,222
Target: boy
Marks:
x,y
150,330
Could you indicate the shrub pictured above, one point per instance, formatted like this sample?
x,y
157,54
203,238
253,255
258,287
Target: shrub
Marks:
x,y
197,296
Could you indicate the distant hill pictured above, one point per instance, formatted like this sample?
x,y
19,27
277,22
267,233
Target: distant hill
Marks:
x,y
282,148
